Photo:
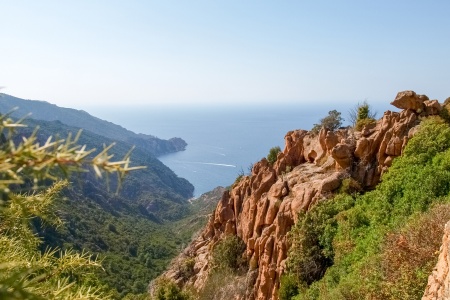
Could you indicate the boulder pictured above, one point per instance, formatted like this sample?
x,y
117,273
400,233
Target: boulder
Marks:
x,y
410,100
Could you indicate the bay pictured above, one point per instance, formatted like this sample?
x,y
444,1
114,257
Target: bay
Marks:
x,y
222,141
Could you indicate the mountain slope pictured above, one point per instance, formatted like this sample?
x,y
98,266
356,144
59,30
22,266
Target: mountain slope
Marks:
x,y
42,110
131,230
262,208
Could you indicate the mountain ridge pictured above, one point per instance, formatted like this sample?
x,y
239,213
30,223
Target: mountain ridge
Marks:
x,y
43,110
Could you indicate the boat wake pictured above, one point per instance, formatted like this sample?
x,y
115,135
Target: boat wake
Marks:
x,y
208,163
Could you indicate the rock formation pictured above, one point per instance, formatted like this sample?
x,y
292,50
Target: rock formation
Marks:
x,y
261,208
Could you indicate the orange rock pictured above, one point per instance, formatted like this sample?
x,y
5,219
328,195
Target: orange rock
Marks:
x,y
410,100
262,208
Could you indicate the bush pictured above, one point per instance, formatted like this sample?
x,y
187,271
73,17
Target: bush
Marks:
x,y
238,178
288,287
364,122
331,122
350,186
168,290
227,254
273,153
227,278
361,111
187,268
311,251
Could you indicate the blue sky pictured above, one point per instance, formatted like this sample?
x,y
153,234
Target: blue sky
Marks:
x,y
84,53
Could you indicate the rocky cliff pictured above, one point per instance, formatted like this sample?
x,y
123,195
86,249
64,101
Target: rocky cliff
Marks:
x,y
262,207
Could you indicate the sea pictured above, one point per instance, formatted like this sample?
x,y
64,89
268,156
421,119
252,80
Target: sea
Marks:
x,y
223,142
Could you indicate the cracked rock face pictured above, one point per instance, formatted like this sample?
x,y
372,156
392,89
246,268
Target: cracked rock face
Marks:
x,y
262,208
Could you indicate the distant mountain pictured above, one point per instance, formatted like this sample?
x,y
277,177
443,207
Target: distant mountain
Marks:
x,y
42,110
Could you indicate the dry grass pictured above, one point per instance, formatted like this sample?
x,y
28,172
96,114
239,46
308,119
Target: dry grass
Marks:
x,y
410,255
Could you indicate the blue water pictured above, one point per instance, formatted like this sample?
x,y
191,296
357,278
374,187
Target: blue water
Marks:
x,y
222,142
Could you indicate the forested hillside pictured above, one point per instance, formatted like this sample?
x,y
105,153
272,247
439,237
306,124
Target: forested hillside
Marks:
x,y
42,110
129,230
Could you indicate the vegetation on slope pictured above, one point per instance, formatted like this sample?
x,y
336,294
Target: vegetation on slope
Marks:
x,y
380,245
130,231
26,272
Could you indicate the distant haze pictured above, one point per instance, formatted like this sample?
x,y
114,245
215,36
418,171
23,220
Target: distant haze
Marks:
x,y
82,53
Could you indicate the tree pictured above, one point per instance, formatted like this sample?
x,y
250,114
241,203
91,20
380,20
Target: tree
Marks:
x,y
25,272
331,122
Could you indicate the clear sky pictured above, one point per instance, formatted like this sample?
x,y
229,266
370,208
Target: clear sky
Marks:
x,y
92,52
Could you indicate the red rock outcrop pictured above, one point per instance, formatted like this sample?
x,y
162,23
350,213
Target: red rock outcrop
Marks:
x,y
261,208
438,287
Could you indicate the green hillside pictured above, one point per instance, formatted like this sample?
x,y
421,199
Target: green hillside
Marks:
x,y
131,231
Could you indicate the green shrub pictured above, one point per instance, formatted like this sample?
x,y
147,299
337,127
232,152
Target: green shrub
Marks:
x,y
350,186
362,115
311,251
361,111
187,268
364,122
227,254
273,153
168,290
288,287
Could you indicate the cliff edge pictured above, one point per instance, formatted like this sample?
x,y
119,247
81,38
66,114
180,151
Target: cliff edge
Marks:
x,y
261,208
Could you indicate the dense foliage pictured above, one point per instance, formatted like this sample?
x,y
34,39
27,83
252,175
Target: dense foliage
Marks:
x,y
129,231
168,290
26,272
227,254
383,244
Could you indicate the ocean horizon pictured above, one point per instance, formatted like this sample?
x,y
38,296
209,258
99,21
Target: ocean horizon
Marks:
x,y
222,142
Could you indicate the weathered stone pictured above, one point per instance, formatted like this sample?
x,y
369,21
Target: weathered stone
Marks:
x,y
343,155
432,107
410,100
